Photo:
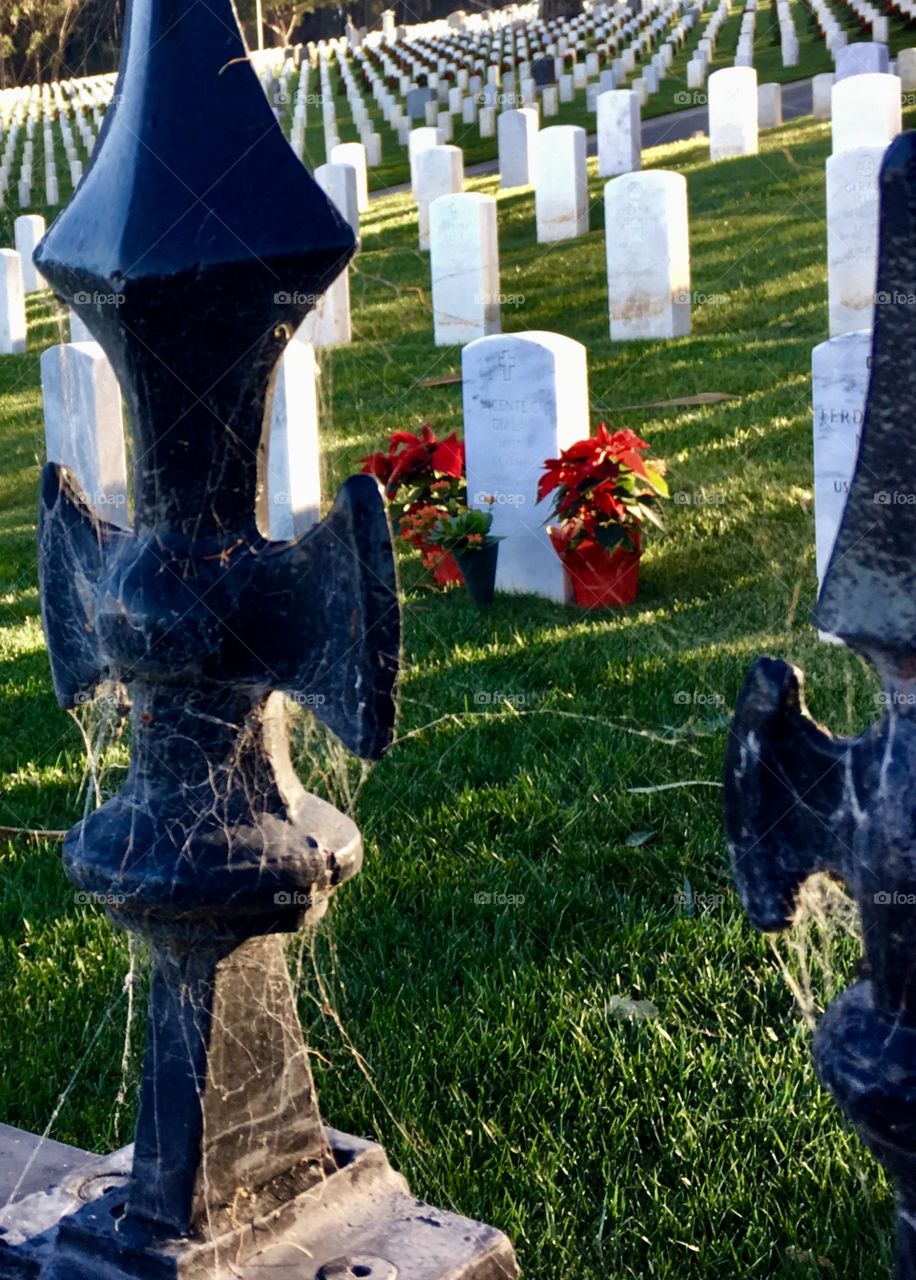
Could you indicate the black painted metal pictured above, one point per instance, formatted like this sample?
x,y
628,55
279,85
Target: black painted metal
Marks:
x,y
194,246
798,801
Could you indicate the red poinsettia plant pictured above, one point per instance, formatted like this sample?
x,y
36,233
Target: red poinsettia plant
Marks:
x,y
419,471
604,491
424,482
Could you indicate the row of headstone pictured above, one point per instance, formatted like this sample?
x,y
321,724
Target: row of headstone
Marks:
x,y
646,237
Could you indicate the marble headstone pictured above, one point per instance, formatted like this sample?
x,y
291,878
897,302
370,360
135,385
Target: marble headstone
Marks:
x,y
84,428
525,399
12,304
561,184
464,267
648,255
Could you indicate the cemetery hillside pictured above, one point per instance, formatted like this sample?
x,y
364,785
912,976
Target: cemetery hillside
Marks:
x,y
458,409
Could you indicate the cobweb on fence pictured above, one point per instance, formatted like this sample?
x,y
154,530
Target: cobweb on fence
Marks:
x,y
817,956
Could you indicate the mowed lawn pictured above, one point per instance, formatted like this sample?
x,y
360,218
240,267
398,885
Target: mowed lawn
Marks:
x,y
619,1078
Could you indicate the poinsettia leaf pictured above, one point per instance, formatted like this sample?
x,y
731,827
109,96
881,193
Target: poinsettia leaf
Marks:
x,y
652,515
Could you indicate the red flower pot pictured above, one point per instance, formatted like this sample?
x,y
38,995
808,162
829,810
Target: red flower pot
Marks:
x,y
600,579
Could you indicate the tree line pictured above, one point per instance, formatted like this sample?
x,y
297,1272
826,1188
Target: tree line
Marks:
x,y
44,40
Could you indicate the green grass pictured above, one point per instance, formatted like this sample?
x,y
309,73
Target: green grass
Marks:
x,y
501,1076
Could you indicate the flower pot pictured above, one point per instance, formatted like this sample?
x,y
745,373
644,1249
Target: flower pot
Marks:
x,y
601,579
479,569
442,565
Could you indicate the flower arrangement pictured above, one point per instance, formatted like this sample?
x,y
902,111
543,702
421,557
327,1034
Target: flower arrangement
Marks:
x,y
604,490
467,537
424,483
464,533
419,471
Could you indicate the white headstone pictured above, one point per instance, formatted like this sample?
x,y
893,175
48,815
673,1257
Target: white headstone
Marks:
x,y
648,255
418,140
464,266
769,106
338,182
13,327
354,153
440,172
561,185
821,90
28,229
839,385
732,113
84,428
79,330
292,492
866,111
517,142
860,58
906,69
525,399
852,237
619,141
329,324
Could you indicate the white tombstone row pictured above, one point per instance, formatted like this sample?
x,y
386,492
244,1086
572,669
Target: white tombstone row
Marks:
x,y
292,488
839,385
852,237
354,153
84,428
619,140
440,172
732,113
866,111
28,229
464,267
12,304
516,142
525,399
561,184
648,255
339,184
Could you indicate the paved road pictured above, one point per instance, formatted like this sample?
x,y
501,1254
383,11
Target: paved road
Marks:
x,y
796,101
